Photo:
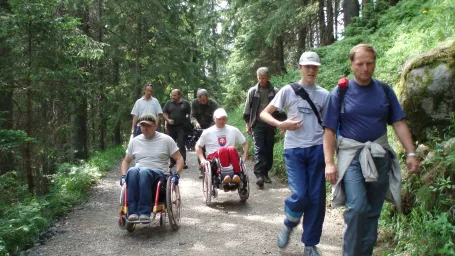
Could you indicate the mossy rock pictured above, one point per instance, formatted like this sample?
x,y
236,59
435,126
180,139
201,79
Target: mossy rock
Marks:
x,y
427,92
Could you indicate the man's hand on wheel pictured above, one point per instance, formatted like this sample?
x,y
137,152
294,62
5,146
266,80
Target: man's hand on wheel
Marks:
x,y
176,178
122,180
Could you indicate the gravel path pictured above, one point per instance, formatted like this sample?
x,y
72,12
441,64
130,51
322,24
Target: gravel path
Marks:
x,y
227,227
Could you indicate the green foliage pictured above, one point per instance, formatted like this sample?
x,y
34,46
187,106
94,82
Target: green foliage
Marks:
x,y
13,190
23,218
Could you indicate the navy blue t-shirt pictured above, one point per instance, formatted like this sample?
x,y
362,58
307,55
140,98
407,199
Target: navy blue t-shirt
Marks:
x,y
367,111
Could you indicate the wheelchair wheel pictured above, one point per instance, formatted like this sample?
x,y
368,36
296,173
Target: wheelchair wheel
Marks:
x,y
173,204
244,189
130,227
207,183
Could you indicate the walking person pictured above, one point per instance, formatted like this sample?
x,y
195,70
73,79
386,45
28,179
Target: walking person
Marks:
x,y
259,96
367,166
176,112
202,109
303,152
147,104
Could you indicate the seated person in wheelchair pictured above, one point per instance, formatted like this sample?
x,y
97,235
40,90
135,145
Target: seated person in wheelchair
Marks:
x,y
219,141
151,152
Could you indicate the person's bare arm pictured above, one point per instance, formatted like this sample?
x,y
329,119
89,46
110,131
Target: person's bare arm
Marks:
x,y
331,171
405,138
168,120
133,127
289,124
178,162
245,150
200,154
125,165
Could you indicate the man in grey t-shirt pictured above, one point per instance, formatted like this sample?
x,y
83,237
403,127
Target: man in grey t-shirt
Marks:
x,y
151,152
303,154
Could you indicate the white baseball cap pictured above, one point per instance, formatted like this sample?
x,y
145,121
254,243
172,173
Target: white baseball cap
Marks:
x,y
309,58
219,113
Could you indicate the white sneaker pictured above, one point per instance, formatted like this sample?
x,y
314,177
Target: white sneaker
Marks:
x,y
133,217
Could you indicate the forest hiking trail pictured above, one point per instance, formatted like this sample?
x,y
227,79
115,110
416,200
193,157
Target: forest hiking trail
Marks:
x,y
227,227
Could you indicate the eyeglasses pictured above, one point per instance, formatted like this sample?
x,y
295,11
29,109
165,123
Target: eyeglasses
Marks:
x,y
305,110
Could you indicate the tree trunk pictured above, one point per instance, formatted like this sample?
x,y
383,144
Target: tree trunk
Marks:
x,y
330,21
102,97
322,26
79,121
116,81
351,10
138,52
79,118
301,44
393,2
6,97
279,55
28,146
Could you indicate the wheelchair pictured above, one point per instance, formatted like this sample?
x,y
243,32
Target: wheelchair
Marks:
x,y
167,202
192,138
211,181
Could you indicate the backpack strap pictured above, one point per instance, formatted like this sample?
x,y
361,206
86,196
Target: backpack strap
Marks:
x,y
298,90
342,92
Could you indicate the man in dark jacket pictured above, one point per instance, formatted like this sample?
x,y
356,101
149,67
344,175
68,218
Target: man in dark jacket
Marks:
x,y
202,109
176,112
259,96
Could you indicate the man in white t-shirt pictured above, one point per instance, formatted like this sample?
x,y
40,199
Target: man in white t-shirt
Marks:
x,y
151,152
145,105
219,141
303,153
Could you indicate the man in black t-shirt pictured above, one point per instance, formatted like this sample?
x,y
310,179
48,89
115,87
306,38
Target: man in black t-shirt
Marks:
x,y
176,112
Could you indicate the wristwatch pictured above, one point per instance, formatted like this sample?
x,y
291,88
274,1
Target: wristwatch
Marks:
x,y
411,155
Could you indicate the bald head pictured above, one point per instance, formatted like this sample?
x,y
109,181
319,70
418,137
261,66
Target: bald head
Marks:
x,y
176,95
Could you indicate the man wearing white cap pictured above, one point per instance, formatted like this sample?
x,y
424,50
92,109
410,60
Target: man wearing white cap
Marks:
x,y
303,152
219,141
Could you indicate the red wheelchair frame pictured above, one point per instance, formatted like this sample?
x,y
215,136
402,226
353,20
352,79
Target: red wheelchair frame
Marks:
x,y
171,205
211,182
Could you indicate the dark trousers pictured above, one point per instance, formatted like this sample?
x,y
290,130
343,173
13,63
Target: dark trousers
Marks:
x,y
178,134
264,139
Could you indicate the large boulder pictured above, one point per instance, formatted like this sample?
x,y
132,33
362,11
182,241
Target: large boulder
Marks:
x,y
427,93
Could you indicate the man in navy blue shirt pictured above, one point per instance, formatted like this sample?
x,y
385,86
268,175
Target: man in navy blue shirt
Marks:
x,y
367,166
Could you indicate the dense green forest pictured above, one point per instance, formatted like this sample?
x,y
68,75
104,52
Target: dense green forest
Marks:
x,y
70,72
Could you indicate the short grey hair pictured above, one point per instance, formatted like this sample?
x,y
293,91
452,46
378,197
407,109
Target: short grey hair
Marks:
x,y
202,92
263,71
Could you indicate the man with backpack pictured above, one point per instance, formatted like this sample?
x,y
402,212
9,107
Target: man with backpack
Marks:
x,y
259,96
366,166
305,102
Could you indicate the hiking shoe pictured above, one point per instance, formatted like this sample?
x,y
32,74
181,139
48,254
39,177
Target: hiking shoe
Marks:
x,y
236,178
144,217
267,179
133,217
311,251
226,179
260,182
283,237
